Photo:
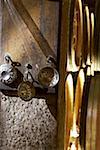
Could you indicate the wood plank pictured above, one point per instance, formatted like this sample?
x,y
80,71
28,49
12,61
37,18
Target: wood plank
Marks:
x,y
1,30
64,46
33,28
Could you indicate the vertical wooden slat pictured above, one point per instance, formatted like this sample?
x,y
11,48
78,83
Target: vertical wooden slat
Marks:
x,y
0,29
64,46
69,101
98,120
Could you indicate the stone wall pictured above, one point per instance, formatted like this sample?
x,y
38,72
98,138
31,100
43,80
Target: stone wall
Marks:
x,y
26,125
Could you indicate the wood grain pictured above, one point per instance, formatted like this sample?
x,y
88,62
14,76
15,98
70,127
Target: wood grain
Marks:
x,y
64,47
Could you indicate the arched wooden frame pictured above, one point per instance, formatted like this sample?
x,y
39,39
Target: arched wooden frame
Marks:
x,y
74,55
92,43
86,49
69,97
73,109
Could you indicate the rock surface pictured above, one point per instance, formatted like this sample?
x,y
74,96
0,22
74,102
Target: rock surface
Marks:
x,y
26,125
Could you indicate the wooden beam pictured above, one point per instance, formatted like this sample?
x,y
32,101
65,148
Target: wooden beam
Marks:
x,y
64,46
33,28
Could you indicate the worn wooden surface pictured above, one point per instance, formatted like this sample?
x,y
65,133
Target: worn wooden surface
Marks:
x,y
18,34
64,46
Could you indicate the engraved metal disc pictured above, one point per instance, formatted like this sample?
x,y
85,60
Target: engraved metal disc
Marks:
x,y
7,73
48,77
26,91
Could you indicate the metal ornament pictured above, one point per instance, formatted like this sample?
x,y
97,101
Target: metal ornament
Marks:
x,y
8,71
26,90
48,77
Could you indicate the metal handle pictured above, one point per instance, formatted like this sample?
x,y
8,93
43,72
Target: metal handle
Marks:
x,y
9,60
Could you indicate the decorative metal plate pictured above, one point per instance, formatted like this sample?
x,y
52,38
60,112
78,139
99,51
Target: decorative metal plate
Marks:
x,y
26,91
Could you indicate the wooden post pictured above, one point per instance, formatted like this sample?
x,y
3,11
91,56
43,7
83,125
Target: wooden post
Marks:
x,y
0,29
64,46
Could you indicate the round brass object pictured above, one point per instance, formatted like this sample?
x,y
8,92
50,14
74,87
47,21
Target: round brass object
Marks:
x,y
26,91
48,77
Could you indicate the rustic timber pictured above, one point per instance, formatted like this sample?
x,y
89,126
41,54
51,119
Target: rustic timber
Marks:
x,y
74,54
1,4
73,97
86,44
98,116
84,112
91,118
69,101
32,27
64,47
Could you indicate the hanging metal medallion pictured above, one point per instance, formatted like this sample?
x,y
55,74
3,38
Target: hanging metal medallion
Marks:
x,y
8,71
26,90
48,77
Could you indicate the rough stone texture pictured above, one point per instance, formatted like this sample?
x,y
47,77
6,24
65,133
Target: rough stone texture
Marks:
x,y
26,125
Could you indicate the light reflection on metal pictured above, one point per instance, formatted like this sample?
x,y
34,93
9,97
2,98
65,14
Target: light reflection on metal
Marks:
x,y
8,71
48,77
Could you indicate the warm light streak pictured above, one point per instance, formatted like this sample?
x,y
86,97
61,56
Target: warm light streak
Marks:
x,y
89,71
69,97
74,133
70,91
73,146
88,34
74,67
78,97
92,44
